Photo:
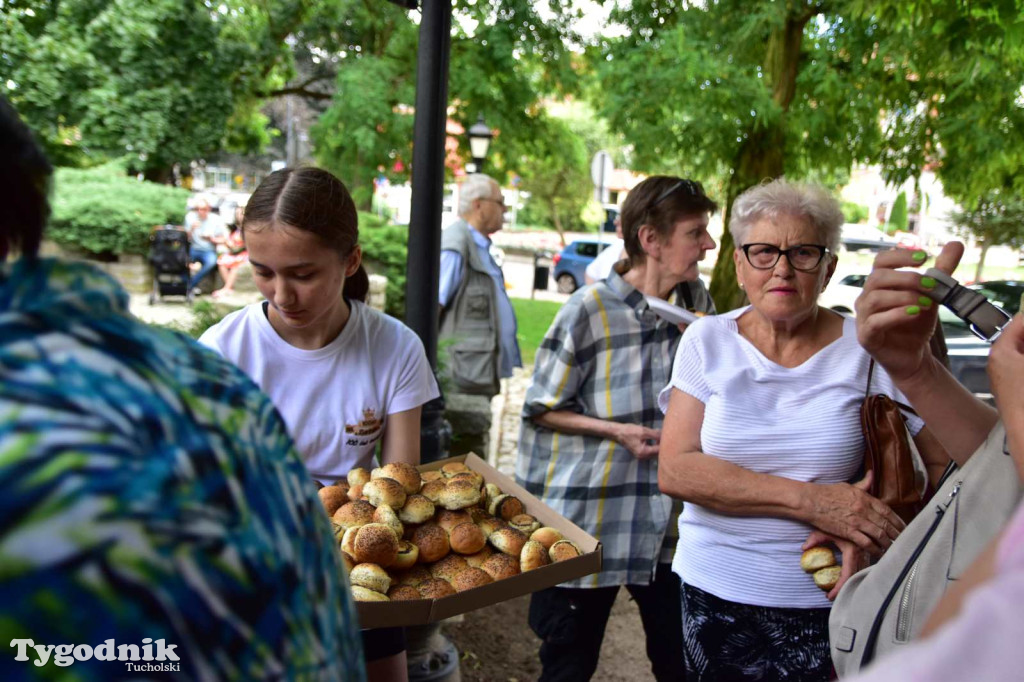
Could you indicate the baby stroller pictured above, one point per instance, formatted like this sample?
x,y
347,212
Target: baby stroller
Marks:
x,y
168,253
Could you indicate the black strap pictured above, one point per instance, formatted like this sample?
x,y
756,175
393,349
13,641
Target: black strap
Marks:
x,y
687,295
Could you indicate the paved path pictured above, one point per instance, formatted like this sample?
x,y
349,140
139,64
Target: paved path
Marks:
x,y
507,408
174,310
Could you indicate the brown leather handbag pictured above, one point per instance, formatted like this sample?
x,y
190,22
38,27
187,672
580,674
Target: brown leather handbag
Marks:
x,y
888,452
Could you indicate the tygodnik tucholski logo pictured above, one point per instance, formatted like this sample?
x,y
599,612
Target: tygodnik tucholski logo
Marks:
x,y
67,654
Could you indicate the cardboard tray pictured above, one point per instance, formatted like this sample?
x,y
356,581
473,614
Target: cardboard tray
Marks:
x,y
421,611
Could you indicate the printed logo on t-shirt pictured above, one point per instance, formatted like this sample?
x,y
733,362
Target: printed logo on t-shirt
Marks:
x,y
366,431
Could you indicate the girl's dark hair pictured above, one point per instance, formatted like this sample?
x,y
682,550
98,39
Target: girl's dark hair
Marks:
x,y
660,201
25,176
312,200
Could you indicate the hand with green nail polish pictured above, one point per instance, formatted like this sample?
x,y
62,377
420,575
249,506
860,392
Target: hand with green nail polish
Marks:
x,y
895,316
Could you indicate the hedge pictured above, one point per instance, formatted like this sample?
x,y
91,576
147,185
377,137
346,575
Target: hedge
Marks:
x,y
105,213
385,248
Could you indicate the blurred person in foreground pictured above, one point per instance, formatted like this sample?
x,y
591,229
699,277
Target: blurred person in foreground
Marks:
x,y
152,495
591,424
974,632
762,434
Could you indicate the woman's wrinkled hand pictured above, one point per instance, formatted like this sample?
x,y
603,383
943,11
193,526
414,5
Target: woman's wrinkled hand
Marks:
x,y
895,317
853,557
850,513
639,440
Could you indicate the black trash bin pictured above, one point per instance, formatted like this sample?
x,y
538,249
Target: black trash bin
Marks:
x,y
541,275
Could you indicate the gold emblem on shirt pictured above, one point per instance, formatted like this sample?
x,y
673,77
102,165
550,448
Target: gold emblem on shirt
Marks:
x,y
369,425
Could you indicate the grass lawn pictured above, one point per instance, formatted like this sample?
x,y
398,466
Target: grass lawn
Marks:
x,y
533,319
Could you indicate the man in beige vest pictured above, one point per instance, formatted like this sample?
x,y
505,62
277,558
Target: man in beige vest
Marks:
x,y
475,309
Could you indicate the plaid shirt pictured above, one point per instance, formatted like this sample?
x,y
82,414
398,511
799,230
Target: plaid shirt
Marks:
x,y
606,356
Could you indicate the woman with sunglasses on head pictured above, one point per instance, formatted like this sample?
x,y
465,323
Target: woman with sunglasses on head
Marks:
x,y
762,434
591,424
344,376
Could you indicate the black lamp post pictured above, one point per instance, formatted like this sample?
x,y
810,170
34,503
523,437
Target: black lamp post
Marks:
x,y
479,140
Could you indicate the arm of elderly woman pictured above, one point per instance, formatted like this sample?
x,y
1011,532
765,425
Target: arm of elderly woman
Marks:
x,y
1006,372
840,509
899,342
639,440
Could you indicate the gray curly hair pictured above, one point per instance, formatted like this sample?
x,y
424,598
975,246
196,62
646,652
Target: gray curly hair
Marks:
x,y
779,197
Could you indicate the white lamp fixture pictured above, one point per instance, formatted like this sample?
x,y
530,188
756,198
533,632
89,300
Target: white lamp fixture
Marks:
x,y
479,140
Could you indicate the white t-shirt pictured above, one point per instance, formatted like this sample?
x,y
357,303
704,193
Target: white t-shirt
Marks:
x,y
336,399
602,264
801,423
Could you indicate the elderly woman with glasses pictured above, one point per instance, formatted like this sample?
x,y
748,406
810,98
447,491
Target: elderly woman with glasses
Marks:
x,y
591,425
762,439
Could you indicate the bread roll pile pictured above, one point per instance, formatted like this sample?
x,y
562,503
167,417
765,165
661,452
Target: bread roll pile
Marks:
x,y
407,536
821,563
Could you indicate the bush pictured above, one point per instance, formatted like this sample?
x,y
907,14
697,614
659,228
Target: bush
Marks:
x,y
103,212
855,213
385,248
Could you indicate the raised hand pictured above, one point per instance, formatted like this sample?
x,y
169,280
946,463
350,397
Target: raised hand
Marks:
x,y
895,317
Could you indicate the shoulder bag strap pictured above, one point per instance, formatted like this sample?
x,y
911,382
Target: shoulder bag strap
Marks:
x,y
906,409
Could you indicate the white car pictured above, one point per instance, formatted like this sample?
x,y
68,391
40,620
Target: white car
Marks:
x,y
839,296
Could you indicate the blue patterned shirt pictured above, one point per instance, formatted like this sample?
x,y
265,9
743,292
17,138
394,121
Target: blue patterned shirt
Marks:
x,y
151,491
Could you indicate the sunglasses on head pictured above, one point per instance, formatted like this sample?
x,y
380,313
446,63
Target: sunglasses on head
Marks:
x,y
692,187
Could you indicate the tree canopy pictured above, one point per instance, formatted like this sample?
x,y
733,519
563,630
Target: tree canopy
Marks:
x,y
747,90
158,81
731,91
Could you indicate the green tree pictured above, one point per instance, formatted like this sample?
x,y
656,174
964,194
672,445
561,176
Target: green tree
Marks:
x,y
898,215
745,90
555,171
854,212
504,59
996,220
155,81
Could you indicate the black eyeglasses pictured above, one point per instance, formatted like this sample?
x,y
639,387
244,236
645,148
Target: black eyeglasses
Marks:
x,y
499,202
803,257
693,188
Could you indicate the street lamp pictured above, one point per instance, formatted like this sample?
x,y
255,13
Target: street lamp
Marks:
x,y
479,140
